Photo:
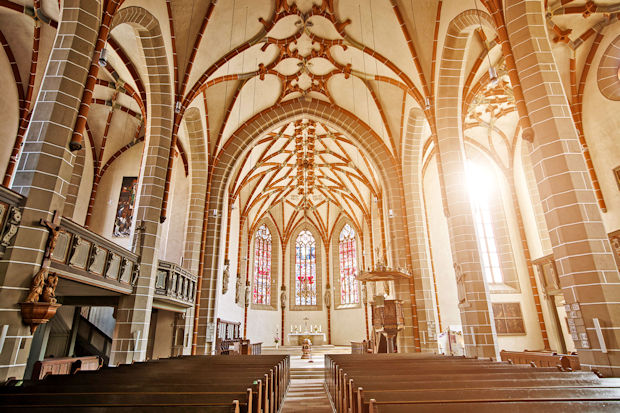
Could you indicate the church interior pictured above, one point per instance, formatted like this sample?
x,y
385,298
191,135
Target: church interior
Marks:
x,y
184,181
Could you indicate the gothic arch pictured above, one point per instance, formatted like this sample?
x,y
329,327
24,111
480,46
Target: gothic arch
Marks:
x,y
608,74
476,312
334,251
275,262
152,177
319,249
225,163
198,170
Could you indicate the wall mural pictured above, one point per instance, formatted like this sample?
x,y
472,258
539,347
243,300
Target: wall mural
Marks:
x,y
124,210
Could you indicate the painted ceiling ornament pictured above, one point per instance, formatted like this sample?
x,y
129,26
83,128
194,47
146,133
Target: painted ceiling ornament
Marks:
x,y
495,99
304,62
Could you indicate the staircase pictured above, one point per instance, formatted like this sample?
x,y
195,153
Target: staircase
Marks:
x,y
306,392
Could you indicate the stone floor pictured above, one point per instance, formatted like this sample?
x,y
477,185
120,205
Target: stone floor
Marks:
x,y
307,392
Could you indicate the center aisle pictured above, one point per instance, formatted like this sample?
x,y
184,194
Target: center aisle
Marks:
x,y
306,392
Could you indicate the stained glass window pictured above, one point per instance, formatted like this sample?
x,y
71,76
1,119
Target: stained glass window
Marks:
x,y
261,294
348,270
305,269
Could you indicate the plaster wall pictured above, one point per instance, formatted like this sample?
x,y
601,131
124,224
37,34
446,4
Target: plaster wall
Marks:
x,y
104,211
440,243
173,232
227,309
601,125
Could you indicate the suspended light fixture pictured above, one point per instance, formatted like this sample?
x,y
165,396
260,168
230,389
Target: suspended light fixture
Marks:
x,y
493,76
103,57
492,72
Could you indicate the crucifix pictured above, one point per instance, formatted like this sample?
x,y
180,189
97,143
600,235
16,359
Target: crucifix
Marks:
x,y
43,286
53,228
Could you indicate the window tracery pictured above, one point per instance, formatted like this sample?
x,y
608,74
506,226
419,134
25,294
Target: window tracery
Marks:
x,y
261,293
305,269
349,293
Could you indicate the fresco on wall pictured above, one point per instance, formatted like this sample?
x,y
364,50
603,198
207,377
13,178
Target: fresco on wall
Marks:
x,y
124,210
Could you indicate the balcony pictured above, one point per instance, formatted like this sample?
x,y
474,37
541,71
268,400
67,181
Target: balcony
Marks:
x,y
83,257
175,287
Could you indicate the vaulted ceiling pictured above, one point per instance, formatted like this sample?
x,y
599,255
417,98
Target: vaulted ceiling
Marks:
x,y
232,59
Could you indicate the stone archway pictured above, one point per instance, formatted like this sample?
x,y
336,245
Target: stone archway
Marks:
x,y
238,143
474,303
608,74
198,170
133,313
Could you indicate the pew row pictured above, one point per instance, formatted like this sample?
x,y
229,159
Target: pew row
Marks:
x,y
542,359
430,383
255,384
65,365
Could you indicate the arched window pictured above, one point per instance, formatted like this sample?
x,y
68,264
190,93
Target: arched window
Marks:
x,y
348,268
305,269
261,293
481,183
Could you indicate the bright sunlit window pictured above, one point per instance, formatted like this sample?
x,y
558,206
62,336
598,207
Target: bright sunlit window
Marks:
x,y
481,185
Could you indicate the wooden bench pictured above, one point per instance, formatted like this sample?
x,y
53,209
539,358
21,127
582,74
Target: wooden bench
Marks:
x,y
542,359
199,383
430,383
65,365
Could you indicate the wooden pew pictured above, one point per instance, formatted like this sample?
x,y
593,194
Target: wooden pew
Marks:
x,y
197,383
423,382
493,406
65,365
542,359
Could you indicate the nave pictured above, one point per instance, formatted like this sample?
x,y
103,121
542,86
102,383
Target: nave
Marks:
x,y
331,380
190,180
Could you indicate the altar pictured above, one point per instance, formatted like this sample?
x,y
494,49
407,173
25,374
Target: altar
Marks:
x,y
299,333
298,338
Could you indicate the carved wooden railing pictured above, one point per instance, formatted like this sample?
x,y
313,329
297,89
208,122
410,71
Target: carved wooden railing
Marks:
x,y
83,256
10,216
175,284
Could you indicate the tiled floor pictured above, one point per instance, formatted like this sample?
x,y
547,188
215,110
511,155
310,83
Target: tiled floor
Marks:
x,y
306,392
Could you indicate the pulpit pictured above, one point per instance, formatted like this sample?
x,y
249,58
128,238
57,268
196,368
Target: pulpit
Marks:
x,y
387,320
387,314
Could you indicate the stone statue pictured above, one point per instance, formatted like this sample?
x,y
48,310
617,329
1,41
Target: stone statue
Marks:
x,y
247,293
15,218
283,297
226,276
328,298
364,293
238,289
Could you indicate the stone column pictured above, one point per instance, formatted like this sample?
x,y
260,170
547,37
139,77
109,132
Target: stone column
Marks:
x,y
74,184
44,169
476,312
422,272
198,167
586,268
133,314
